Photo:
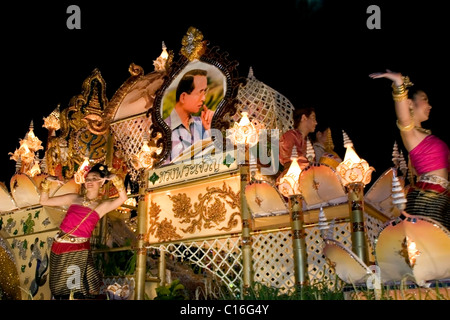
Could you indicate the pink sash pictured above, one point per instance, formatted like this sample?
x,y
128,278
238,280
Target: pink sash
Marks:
x,y
430,154
74,220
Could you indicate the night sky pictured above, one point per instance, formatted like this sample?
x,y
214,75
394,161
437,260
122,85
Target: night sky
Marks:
x,y
317,53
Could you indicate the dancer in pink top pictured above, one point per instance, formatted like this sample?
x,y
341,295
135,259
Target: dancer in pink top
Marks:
x,y
70,254
429,156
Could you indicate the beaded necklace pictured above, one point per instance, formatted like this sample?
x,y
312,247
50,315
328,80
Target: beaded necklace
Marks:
x,y
423,130
87,202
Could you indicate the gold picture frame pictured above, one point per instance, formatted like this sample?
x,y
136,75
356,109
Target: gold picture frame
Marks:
x,y
222,83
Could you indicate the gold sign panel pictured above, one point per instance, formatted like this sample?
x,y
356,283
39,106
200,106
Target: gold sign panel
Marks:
x,y
208,208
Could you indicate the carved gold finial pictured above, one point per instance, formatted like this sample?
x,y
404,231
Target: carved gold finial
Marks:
x,y
51,122
193,44
329,145
163,62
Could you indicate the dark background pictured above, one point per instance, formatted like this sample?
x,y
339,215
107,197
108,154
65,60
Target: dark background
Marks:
x,y
316,53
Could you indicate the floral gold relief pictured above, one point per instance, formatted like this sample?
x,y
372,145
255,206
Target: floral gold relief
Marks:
x,y
163,231
213,209
209,212
193,44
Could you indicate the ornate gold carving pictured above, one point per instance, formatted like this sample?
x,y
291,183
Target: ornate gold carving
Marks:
x,y
209,212
358,227
193,44
298,234
163,231
51,122
83,125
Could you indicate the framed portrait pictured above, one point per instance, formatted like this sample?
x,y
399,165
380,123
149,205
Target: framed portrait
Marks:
x,y
197,96
216,87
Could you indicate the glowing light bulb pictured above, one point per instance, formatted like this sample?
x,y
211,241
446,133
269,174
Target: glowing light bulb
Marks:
x,y
351,155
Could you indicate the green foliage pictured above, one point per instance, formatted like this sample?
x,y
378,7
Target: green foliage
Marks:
x,y
315,291
119,263
259,291
173,291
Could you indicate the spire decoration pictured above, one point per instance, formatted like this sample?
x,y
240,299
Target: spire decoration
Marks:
x,y
398,196
310,153
353,169
51,123
25,155
164,60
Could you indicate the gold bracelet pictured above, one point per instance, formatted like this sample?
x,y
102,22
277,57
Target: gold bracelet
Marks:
x,y
45,186
118,183
400,97
409,127
402,88
398,89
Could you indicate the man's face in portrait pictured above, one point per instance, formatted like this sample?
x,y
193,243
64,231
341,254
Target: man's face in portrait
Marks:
x,y
194,101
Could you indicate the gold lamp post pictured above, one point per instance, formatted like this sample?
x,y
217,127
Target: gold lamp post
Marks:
x,y
245,135
355,173
289,187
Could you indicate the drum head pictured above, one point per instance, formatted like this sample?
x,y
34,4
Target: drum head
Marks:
x,y
264,199
347,265
414,245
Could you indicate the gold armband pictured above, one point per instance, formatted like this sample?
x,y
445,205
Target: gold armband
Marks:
x,y
45,186
118,183
409,127
400,96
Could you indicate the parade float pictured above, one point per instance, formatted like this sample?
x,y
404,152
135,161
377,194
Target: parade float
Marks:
x,y
220,206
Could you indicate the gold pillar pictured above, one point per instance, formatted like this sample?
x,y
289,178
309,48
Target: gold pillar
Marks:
x,y
298,241
356,208
108,162
247,274
162,268
141,251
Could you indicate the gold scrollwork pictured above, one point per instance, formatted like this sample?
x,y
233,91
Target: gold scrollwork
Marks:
x,y
209,212
163,231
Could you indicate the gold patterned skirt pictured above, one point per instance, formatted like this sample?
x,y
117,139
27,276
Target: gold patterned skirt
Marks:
x,y
72,271
430,199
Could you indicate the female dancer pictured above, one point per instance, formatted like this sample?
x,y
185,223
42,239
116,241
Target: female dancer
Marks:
x,y
429,155
72,267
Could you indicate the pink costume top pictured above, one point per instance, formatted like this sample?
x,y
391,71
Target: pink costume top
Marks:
x,y
74,216
288,140
430,154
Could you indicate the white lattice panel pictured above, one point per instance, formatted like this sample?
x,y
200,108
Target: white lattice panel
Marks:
x,y
318,268
129,138
273,262
373,227
222,257
265,105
